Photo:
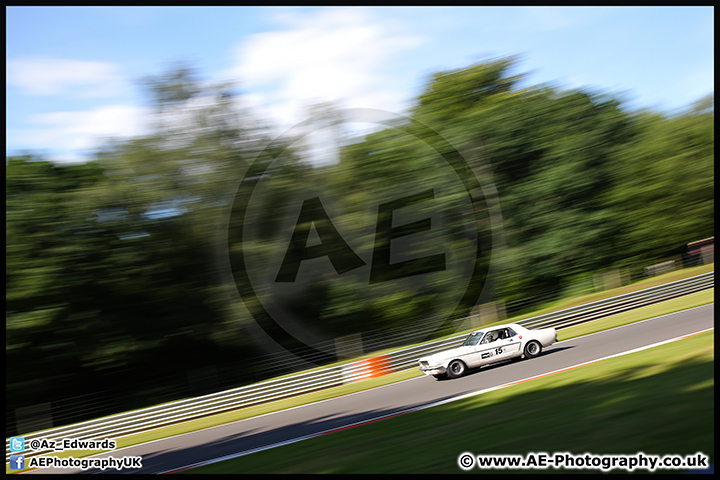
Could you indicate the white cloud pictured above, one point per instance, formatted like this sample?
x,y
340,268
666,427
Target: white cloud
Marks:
x,y
75,132
337,55
52,76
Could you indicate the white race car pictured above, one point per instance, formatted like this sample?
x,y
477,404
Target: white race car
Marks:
x,y
489,345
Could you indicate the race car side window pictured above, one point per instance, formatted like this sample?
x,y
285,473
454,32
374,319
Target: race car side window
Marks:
x,y
492,336
510,332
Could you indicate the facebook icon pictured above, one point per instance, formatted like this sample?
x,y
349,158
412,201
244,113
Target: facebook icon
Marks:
x,y
17,462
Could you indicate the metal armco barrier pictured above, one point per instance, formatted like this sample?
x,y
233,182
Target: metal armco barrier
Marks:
x,y
177,412
407,358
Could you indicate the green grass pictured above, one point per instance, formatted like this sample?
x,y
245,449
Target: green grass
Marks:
x,y
582,299
681,303
657,401
651,311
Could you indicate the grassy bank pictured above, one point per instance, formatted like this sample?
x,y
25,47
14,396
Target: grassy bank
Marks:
x,y
657,401
681,303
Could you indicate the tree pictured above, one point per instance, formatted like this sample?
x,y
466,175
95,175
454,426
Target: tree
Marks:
x,y
550,152
113,277
663,191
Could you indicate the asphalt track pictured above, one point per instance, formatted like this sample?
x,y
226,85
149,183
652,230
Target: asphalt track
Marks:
x,y
285,426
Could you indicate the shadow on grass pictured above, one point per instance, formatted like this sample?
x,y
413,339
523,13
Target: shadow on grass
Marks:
x,y
256,436
671,412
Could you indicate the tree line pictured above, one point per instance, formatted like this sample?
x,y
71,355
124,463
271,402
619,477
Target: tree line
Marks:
x,y
117,270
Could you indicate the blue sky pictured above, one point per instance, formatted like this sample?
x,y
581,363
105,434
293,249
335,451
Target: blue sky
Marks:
x,y
72,72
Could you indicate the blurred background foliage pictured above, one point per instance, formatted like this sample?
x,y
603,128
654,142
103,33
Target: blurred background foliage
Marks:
x,y
117,269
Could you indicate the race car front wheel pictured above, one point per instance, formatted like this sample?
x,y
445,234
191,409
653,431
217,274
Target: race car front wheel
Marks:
x,y
456,369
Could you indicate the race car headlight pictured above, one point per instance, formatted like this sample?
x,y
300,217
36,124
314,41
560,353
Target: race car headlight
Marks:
x,y
428,362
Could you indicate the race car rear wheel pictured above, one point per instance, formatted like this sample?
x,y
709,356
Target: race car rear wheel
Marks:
x,y
456,369
533,349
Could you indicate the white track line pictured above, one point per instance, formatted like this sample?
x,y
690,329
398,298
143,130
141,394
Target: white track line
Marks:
x,y
433,404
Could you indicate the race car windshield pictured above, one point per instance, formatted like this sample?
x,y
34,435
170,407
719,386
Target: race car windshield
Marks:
x,y
473,339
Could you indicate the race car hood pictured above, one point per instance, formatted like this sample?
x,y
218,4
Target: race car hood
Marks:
x,y
446,354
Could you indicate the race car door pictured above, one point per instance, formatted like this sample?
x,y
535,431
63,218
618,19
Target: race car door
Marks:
x,y
509,342
498,345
